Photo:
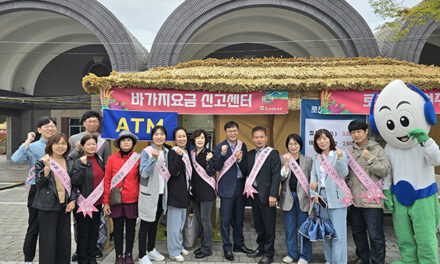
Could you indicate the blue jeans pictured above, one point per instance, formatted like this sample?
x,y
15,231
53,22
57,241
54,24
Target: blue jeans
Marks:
x,y
335,250
292,220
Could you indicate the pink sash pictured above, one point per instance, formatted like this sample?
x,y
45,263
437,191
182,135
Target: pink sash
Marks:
x,y
202,172
333,173
101,142
87,206
229,162
249,190
161,167
374,190
31,175
125,169
299,174
186,160
61,174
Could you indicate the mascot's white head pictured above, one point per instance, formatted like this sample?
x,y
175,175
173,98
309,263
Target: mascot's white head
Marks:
x,y
398,110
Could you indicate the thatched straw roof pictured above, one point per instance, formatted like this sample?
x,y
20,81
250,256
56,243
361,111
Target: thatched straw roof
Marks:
x,y
304,78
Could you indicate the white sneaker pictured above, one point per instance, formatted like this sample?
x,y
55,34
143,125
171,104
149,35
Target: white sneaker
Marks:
x,y
302,261
177,258
155,255
145,260
29,262
185,252
327,262
287,259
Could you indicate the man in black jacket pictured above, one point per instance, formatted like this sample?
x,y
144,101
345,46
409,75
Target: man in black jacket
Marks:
x,y
263,182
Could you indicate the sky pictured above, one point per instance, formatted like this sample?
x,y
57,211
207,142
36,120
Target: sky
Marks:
x,y
143,18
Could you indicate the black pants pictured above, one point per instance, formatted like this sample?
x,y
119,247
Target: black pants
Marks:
x,y
369,220
202,210
54,237
118,226
87,232
148,230
30,241
264,222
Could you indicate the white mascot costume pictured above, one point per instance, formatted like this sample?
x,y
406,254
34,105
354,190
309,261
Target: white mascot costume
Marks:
x,y
403,117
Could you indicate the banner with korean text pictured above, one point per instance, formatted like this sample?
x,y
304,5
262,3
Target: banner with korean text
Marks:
x,y
139,123
359,102
312,120
195,102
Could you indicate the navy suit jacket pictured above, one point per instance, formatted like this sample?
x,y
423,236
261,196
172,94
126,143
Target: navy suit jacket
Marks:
x,y
269,176
228,183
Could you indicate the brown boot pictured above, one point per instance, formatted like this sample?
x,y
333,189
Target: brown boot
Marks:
x,y
129,258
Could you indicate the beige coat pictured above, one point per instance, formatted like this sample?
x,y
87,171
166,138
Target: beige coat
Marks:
x,y
286,198
376,165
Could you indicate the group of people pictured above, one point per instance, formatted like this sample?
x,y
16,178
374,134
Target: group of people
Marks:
x,y
127,185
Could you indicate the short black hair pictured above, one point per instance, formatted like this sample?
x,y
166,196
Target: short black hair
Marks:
x,y
295,137
357,124
164,130
89,114
44,120
177,129
87,137
259,128
197,134
231,124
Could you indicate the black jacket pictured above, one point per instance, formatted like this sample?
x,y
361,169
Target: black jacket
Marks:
x,y
268,178
82,175
201,190
178,193
46,198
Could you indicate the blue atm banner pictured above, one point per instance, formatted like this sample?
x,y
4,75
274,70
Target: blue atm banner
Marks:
x,y
138,122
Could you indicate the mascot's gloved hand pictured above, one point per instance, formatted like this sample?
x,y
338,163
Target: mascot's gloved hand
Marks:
x,y
388,203
419,134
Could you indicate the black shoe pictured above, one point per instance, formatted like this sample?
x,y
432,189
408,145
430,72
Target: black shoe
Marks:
x,y
243,249
74,257
265,260
357,261
197,251
202,254
229,256
98,253
255,254
93,261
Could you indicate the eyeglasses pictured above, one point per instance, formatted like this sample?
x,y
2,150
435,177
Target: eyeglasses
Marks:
x,y
232,131
48,126
92,121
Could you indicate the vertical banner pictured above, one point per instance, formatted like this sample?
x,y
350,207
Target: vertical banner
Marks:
x,y
137,122
312,120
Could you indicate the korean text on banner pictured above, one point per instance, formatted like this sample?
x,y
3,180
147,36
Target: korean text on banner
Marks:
x,y
138,122
312,120
359,102
195,102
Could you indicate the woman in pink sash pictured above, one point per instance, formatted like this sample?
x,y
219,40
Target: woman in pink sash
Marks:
x,y
178,195
55,199
327,188
152,194
294,198
203,189
87,174
126,213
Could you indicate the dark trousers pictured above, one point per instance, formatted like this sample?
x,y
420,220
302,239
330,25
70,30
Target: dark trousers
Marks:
x,y
202,210
54,240
88,233
148,230
232,211
369,220
30,240
264,222
118,226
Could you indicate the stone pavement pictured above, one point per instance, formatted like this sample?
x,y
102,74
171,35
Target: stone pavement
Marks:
x,y
13,224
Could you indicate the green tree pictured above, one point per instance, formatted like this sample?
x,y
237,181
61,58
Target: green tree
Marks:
x,y
397,13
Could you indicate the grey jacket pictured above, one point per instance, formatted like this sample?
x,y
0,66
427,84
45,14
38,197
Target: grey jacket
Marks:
x,y
376,165
104,152
149,186
286,198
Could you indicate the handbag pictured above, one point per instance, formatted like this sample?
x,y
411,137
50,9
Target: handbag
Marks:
x,y
191,231
115,195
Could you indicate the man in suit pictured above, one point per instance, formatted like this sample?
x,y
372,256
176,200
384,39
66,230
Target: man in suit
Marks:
x,y
230,160
263,168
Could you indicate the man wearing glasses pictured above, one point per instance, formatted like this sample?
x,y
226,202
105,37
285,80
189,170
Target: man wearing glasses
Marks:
x,y
230,160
